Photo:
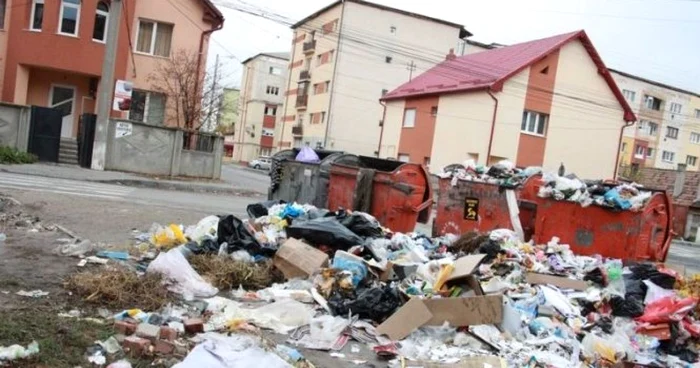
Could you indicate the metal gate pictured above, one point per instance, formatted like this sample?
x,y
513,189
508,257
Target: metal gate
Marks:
x,y
86,139
45,133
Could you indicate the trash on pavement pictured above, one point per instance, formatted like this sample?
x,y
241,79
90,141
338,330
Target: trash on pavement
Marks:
x,y
113,255
235,351
180,277
296,259
33,294
14,352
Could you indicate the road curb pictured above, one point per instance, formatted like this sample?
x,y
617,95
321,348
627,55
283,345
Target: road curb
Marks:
x,y
183,187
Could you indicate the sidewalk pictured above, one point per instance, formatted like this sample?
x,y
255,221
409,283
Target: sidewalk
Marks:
x,y
127,179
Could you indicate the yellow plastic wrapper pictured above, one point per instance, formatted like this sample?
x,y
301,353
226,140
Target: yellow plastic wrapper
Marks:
x,y
444,274
168,237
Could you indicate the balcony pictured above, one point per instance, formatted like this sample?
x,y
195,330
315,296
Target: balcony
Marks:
x,y
297,130
302,101
309,47
304,75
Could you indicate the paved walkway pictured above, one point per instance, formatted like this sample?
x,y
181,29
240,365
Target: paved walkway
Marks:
x,y
115,177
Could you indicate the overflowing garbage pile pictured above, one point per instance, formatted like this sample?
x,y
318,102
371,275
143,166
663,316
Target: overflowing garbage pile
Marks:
x,y
600,193
503,173
346,282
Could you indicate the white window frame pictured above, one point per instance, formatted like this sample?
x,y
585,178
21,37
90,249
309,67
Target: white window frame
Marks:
x,y
649,152
640,151
403,157
106,15
694,159
146,107
60,18
670,129
696,137
33,13
406,123
274,111
675,106
273,68
272,90
526,130
653,128
668,156
697,113
151,52
629,95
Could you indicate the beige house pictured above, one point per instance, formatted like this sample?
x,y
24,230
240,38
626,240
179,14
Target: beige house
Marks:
x,y
261,97
343,58
538,103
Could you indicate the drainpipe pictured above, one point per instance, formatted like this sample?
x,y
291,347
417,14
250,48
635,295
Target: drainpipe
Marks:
x,y
381,132
619,146
493,125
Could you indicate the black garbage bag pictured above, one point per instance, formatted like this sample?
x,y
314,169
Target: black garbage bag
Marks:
x,y
360,224
232,231
634,288
207,246
324,231
673,347
491,248
647,271
596,276
259,209
376,304
627,307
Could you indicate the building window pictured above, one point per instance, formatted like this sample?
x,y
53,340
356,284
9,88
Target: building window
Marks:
x,y
3,3
691,160
147,107
650,152
648,127
640,151
154,38
629,95
267,132
37,18
70,17
275,70
409,118
672,132
272,90
653,103
624,147
323,117
99,32
534,123
667,156
404,157
388,59
384,91
392,30
697,113
271,110
327,85
676,108
433,111
695,138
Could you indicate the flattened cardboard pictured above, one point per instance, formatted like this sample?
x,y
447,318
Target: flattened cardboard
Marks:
x,y
463,311
296,259
409,317
465,266
558,281
475,310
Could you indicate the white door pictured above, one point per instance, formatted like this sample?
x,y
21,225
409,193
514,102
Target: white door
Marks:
x,y
63,98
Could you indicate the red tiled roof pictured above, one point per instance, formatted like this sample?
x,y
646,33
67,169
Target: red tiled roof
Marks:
x,y
492,68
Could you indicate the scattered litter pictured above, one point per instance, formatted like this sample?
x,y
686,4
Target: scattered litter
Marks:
x,y
113,255
15,352
33,293
97,358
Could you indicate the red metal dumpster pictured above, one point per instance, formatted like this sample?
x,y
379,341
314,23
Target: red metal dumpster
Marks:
x,y
476,206
643,235
398,194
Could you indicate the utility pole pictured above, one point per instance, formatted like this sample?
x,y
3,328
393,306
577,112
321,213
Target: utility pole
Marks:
x,y
410,67
213,94
106,88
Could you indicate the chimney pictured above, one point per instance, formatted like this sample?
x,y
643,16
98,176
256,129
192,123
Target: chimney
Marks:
x,y
680,180
451,55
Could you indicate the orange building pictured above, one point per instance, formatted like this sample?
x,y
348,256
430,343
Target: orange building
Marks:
x,y
51,51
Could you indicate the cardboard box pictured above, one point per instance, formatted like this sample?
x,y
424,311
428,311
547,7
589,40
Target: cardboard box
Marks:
x,y
297,259
558,281
462,311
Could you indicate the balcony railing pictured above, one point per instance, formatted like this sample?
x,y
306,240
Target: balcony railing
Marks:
x,y
297,130
309,46
302,101
304,75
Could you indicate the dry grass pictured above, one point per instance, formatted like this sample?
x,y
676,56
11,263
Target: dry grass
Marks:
x,y
120,288
226,274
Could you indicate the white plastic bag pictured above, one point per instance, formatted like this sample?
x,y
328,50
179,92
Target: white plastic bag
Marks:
x,y
655,292
180,276
281,316
327,328
236,351
205,228
18,352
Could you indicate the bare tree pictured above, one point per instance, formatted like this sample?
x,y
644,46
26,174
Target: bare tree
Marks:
x,y
193,97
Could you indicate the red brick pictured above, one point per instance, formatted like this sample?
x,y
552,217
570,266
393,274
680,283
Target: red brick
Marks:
x,y
136,346
194,325
164,347
125,328
167,333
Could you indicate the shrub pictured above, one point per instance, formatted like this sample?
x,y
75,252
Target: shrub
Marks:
x,y
9,155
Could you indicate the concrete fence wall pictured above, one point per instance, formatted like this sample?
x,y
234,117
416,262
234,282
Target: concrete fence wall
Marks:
x,y
155,150
14,126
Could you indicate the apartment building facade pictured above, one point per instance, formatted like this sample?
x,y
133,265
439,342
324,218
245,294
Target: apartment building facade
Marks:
x,y
51,52
344,58
538,103
668,130
261,98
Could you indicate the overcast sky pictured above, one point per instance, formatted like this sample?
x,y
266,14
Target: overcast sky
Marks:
x,y
655,39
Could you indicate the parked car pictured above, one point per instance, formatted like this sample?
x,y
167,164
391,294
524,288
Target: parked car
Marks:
x,y
261,163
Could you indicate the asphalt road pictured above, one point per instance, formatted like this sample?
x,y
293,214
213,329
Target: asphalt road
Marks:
x,y
245,178
685,255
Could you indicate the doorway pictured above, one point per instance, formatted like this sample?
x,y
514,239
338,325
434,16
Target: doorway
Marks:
x,y
62,98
